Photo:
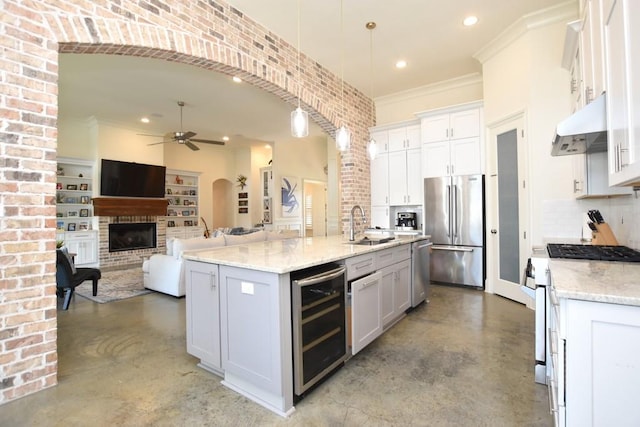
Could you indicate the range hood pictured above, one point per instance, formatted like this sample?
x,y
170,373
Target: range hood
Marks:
x,y
585,131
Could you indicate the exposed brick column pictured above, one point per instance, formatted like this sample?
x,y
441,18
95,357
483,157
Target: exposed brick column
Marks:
x,y
211,35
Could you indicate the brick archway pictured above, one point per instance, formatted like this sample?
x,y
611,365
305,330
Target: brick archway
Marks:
x,y
211,35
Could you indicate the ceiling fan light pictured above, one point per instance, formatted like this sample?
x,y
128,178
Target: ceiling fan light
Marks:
x,y
372,148
299,123
343,138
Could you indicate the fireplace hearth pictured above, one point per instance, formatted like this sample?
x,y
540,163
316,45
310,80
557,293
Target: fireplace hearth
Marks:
x,y
132,236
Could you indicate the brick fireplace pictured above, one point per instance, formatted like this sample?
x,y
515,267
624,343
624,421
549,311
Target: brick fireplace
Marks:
x,y
112,210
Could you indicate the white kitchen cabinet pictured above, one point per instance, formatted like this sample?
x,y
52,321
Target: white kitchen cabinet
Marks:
x,y
396,291
405,177
366,317
382,140
591,178
184,232
591,42
452,141
84,244
457,157
622,63
380,180
595,356
448,126
404,138
380,217
203,314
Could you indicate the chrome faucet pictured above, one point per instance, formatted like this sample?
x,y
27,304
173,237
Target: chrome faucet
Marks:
x,y
352,233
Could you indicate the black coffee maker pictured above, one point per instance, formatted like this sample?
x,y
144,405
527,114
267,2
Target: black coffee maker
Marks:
x,y
407,220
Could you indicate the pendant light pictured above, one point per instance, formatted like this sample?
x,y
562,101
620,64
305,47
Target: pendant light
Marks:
x,y
299,117
372,146
343,134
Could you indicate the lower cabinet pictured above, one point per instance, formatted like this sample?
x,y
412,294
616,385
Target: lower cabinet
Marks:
x,y
596,364
366,315
203,314
396,291
84,245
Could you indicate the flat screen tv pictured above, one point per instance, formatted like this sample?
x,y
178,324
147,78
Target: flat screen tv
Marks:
x,y
127,179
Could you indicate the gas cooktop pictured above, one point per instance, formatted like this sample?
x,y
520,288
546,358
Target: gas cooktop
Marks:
x,y
595,252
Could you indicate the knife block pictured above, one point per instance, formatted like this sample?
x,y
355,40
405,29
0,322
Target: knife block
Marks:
x,y
603,235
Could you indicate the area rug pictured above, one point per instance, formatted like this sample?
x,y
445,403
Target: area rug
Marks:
x,y
115,285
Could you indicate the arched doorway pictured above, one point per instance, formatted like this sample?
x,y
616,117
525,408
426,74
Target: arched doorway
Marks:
x,y
222,204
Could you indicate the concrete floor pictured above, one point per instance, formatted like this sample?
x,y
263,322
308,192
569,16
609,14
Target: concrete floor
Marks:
x,y
463,360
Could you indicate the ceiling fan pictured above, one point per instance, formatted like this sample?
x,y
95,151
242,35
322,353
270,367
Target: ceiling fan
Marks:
x,y
182,137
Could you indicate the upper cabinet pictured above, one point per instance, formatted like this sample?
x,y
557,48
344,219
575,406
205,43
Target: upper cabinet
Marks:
x,y
396,171
622,64
452,143
404,138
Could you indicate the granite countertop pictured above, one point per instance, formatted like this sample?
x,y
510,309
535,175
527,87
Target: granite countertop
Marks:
x,y
609,282
283,256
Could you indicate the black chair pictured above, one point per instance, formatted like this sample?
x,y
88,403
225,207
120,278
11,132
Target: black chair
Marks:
x,y
68,277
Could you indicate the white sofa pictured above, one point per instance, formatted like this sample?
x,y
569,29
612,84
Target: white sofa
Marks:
x,y
164,273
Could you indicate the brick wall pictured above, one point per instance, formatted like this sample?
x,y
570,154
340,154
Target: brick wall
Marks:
x,y
207,34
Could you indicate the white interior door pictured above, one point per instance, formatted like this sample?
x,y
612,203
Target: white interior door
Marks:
x,y
507,208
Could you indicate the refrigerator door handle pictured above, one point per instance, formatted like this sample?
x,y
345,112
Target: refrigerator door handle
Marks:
x,y
454,203
452,248
449,210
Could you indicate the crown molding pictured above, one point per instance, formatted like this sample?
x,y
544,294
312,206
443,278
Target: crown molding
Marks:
x,y
563,12
430,89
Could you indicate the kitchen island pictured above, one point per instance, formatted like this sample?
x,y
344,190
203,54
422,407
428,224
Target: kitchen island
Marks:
x,y
594,342
239,310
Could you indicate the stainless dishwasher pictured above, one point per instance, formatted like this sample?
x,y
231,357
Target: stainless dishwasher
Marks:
x,y
318,308
420,270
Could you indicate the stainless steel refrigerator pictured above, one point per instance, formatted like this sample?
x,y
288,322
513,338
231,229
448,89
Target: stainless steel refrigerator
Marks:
x,y
454,217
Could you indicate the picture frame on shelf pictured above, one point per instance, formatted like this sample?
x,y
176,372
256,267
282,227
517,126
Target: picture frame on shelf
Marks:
x,y
243,195
71,200
243,203
266,217
84,212
192,192
170,201
83,226
84,200
71,226
59,186
188,223
72,187
169,191
243,210
266,204
59,215
72,214
60,225
171,213
171,223
84,187
186,213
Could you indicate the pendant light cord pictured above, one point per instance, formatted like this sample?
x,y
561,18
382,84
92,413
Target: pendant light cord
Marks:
x,y
372,25
342,62
299,70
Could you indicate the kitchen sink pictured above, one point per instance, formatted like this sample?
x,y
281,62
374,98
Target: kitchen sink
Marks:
x,y
370,242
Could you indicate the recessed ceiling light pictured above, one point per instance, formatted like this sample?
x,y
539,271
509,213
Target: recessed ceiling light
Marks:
x,y
401,63
470,20
237,79
267,146
145,120
225,138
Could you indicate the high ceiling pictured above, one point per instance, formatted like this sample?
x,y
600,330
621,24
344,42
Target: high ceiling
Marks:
x,y
428,34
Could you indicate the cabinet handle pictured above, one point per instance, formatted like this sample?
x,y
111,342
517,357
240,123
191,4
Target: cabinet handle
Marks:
x,y
588,95
451,169
447,133
408,198
575,186
212,280
622,163
447,169
366,285
451,132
